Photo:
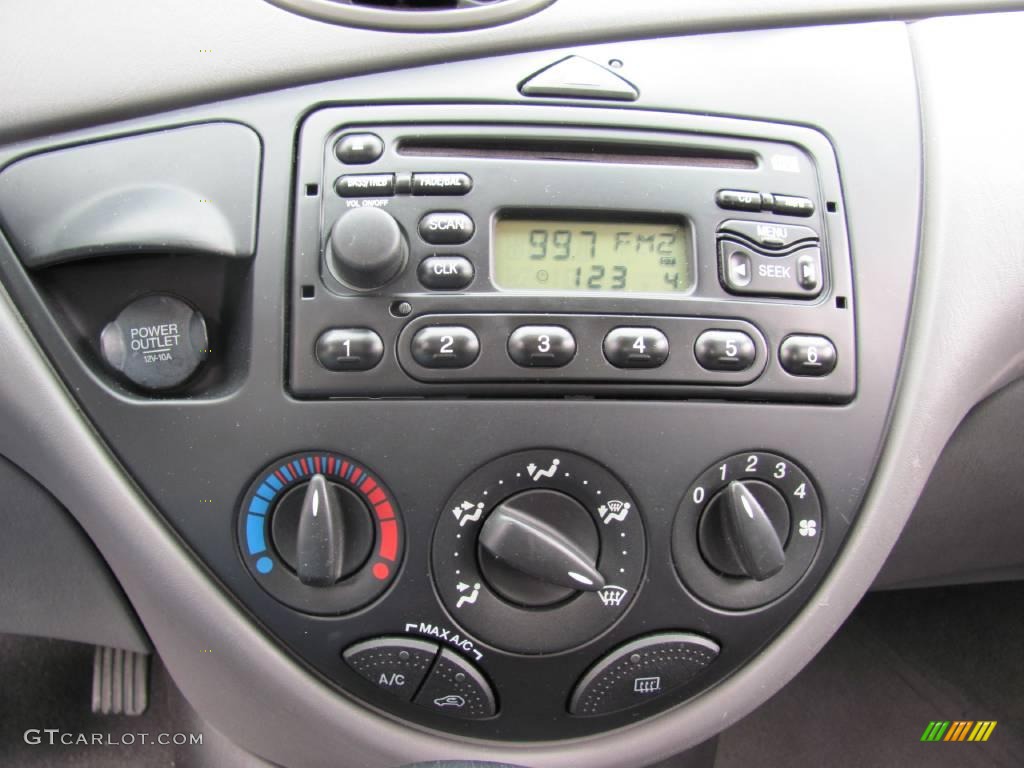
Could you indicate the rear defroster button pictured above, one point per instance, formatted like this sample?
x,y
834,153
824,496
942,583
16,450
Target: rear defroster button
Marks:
x,y
641,671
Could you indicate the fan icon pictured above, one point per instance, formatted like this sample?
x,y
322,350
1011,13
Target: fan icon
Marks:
x,y
808,528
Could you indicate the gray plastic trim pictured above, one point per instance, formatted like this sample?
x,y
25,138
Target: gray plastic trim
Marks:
x,y
471,14
196,51
53,582
192,189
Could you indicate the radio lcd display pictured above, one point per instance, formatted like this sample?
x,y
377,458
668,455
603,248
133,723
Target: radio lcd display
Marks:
x,y
568,255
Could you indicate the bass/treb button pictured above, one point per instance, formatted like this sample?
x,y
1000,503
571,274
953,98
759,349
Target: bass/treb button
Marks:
x,y
640,671
445,346
541,346
396,665
446,227
456,688
365,185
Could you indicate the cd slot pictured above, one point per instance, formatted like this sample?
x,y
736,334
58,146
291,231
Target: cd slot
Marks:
x,y
511,148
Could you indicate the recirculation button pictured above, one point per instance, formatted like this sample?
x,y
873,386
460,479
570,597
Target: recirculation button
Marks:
x,y
456,688
394,664
640,671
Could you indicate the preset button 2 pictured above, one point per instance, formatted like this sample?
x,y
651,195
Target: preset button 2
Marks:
x,y
445,346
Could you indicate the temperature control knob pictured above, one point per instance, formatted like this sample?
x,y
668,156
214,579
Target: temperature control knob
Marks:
x,y
320,533
366,249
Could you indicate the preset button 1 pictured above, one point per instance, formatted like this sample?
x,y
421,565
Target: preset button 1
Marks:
x,y
636,347
547,346
445,346
349,349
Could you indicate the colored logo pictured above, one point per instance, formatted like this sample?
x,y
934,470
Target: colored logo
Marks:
x,y
958,730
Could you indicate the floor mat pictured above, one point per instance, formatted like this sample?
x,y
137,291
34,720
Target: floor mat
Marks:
x,y
47,684
903,660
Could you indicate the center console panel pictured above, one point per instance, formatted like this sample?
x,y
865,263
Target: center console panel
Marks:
x,y
524,419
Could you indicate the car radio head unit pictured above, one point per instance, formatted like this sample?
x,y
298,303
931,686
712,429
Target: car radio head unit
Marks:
x,y
437,253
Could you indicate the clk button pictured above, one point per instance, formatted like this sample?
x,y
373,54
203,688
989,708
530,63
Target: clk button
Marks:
x,y
445,273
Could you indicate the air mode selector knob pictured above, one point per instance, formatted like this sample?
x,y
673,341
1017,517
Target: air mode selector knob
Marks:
x,y
366,248
539,547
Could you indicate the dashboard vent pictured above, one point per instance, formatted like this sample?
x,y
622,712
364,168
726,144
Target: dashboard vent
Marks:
x,y
415,15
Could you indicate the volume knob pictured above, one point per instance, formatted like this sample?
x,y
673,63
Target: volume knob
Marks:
x,y
366,249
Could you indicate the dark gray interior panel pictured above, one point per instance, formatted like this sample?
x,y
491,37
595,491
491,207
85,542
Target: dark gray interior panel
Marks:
x,y
186,190
185,452
53,582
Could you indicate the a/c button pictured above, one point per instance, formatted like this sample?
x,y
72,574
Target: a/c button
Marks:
x,y
396,665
